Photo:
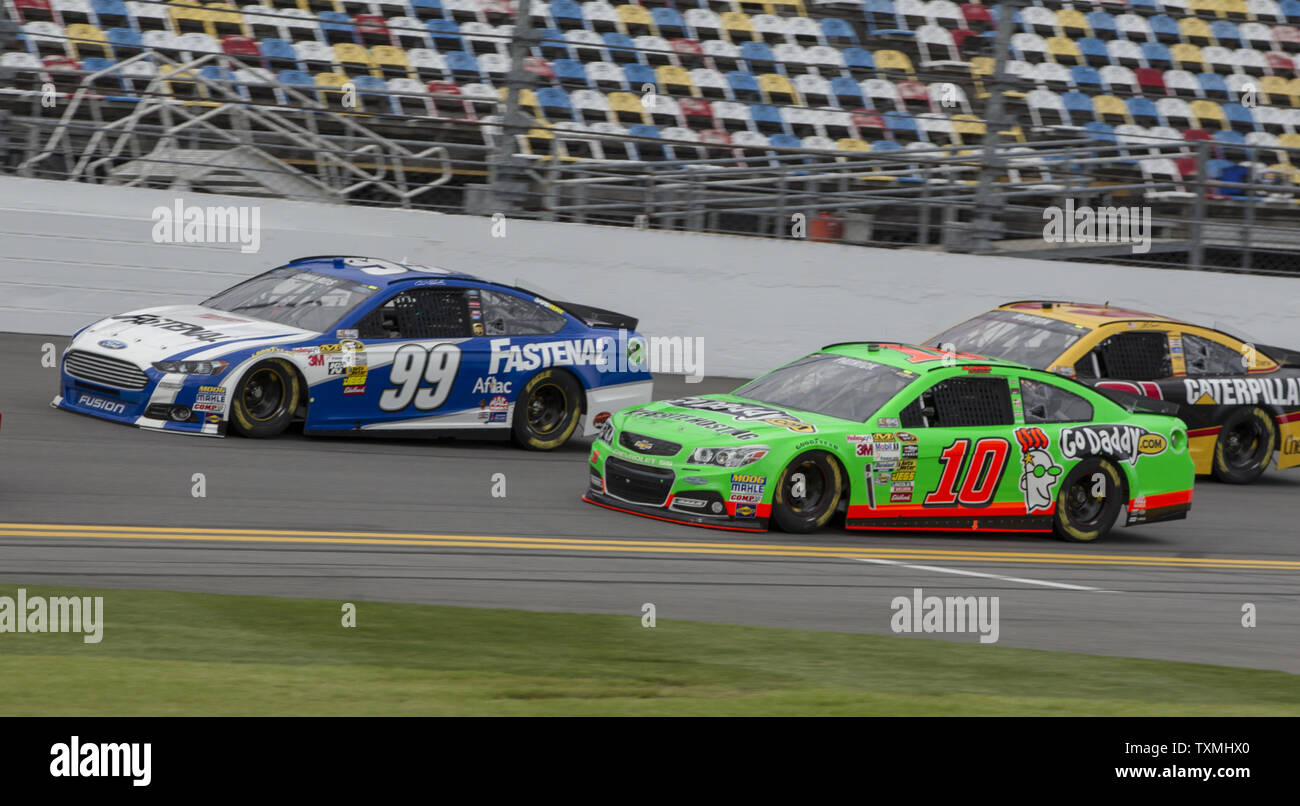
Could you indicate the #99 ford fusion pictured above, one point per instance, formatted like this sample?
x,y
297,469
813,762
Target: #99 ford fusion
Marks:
x,y
352,344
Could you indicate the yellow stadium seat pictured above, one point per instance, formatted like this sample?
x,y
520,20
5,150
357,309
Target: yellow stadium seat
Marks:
x,y
739,27
1234,10
981,66
87,41
389,59
627,108
1205,8
188,16
1194,31
527,99
894,60
1277,90
1107,107
785,8
1072,23
225,20
1062,50
1203,111
778,89
636,20
353,58
852,144
676,80
1187,57
1289,140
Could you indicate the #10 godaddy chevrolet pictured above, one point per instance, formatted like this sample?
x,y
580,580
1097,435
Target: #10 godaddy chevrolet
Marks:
x,y
897,437
348,344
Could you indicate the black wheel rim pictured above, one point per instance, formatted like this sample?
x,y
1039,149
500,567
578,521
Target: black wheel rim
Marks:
x,y
547,408
1081,506
1243,444
815,489
263,396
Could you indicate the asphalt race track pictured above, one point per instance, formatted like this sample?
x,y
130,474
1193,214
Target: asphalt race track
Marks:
x,y
415,521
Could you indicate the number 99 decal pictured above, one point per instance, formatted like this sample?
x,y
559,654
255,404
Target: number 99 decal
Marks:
x,y
435,366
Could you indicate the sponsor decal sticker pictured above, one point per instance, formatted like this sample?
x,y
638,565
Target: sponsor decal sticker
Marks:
x,y
747,412
888,422
1039,472
1123,443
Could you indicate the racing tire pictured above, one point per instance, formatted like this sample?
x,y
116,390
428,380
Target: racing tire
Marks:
x,y
1245,446
265,400
547,410
1089,501
819,477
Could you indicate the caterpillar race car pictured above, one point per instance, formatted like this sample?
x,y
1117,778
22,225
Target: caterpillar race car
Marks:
x,y
1240,401
895,436
361,345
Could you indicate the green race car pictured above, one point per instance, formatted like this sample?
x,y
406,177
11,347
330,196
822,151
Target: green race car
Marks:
x,y
898,437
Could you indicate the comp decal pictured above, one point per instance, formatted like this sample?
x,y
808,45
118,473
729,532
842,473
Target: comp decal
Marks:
x,y
1123,443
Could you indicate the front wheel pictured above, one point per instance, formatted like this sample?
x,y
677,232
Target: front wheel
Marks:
x,y
265,400
1089,501
1245,446
808,493
547,410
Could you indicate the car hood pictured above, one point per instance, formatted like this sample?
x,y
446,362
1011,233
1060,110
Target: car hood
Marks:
x,y
175,331
706,419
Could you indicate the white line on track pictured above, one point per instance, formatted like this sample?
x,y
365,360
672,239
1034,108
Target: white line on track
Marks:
x,y
964,572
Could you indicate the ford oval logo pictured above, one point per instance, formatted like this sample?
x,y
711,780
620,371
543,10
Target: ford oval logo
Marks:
x,y
112,344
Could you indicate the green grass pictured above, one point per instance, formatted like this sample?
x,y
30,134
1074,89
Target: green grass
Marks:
x,y
178,653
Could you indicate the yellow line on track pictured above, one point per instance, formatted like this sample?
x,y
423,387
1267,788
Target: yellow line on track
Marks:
x,y
626,546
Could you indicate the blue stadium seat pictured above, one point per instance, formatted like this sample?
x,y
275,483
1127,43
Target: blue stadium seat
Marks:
x,y
463,64
125,42
1157,55
1163,25
1093,50
838,32
338,24
883,19
1290,8
666,17
1239,115
1143,108
567,10
96,63
551,98
619,44
1138,6
1077,103
767,118
1232,173
859,59
1017,21
1102,24
570,71
1212,83
1100,131
445,33
639,74
843,87
758,54
1226,33
278,51
553,44
433,8
1085,77
646,150
295,77
886,145
211,72
109,11
901,122
785,141
743,85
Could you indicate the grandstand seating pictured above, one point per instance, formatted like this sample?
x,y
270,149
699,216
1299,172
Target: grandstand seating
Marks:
x,y
829,75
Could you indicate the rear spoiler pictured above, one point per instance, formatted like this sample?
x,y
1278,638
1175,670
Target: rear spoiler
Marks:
x,y
599,317
1283,356
1139,403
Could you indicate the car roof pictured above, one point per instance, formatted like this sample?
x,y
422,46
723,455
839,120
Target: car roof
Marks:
x,y
912,357
352,267
1086,314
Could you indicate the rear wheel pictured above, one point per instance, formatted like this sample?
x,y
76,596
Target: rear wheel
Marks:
x,y
265,399
1089,500
808,493
1245,446
547,410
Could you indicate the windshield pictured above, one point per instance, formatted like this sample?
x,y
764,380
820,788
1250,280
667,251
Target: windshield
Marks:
x,y
294,297
834,385
1035,341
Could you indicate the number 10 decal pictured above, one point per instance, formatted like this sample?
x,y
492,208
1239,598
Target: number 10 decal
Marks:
x,y
412,363
981,477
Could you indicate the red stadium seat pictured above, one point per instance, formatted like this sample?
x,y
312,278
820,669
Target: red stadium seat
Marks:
x,y
1280,64
1150,78
540,68
1197,134
34,11
695,110
373,29
868,119
239,46
689,52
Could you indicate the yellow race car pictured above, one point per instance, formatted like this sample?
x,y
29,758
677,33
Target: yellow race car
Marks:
x,y
1240,401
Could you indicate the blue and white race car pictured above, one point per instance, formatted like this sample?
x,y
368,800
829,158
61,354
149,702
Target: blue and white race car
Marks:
x,y
361,345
